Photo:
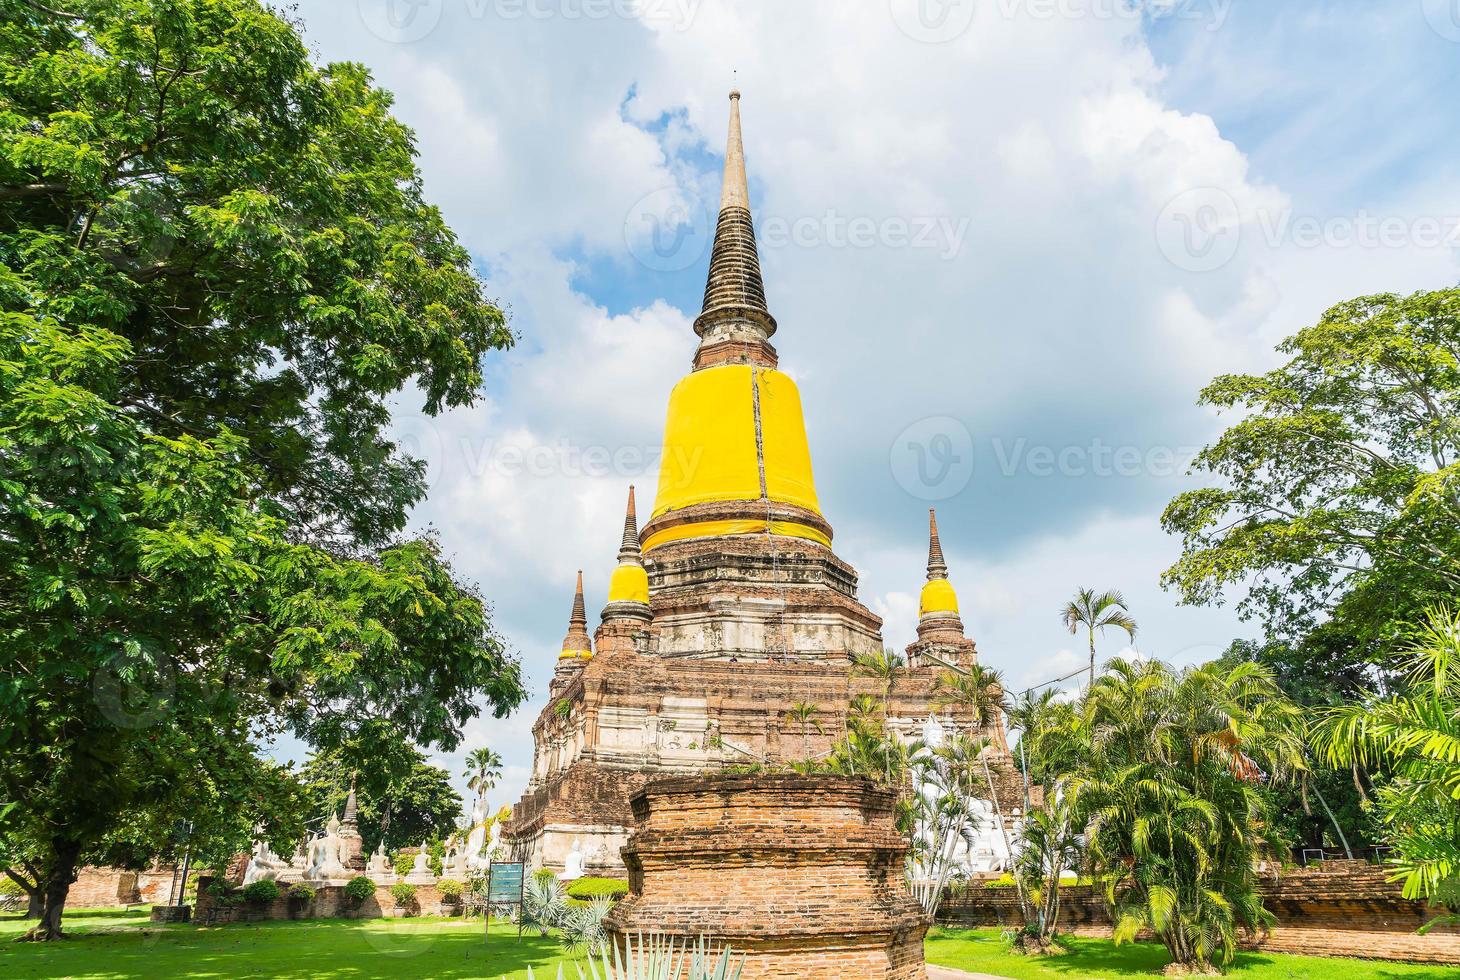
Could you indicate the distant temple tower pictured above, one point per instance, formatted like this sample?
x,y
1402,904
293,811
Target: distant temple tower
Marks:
x,y
730,606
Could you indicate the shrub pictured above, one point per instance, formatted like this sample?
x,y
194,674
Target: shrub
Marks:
x,y
261,892
222,893
451,889
9,887
404,894
359,889
588,889
302,894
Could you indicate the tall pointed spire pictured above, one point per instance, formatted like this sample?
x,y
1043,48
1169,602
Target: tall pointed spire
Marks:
x,y
352,807
628,590
938,600
629,548
937,567
577,643
734,190
735,324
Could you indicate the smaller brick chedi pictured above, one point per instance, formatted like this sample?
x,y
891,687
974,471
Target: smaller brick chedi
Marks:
x,y
801,875
729,606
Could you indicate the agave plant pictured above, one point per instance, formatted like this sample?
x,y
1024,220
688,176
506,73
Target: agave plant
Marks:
x,y
582,927
650,956
544,901
655,957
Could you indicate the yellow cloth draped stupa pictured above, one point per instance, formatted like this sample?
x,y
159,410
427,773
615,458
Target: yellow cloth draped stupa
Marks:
x,y
735,431
630,583
938,598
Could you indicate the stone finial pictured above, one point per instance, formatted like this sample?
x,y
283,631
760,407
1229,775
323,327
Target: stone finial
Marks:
x,y
936,567
735,323
734,190
629,549
577,643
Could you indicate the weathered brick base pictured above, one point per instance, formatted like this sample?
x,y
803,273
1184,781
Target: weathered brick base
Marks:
x,y
1338,908
802,874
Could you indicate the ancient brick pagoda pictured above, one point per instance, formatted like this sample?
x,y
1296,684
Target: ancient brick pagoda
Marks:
x,y
730,606
799,875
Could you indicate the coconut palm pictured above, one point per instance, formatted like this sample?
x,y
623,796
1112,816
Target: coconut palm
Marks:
x,y
1415,733
1173,801
483,769
1097,611
975,691
884,665
804,714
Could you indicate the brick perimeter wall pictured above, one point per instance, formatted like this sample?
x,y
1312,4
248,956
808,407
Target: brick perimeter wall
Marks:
x,y
1338,909
328,903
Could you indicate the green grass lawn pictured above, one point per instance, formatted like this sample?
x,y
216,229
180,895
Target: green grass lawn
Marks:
x,y
106,944
981,951
119,944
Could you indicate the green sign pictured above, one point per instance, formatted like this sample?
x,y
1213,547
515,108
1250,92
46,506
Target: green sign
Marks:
x,y
504,882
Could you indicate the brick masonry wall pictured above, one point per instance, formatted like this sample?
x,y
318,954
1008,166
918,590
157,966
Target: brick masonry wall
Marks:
x,y
103,888
1339,908
801,874
328,903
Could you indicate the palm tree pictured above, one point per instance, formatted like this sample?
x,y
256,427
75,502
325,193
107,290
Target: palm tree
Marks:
x,y
883,664
804,713
976,690
1173,802
1097,611
483,769
1050,844
1416,733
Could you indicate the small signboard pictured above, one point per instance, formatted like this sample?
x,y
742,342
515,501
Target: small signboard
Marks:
x,y
504,887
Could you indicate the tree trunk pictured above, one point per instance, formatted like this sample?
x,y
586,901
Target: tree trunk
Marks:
x,y
36,904
60,873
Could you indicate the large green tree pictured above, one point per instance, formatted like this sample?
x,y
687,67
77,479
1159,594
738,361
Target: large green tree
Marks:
x,y
1337,495
402,799
216,269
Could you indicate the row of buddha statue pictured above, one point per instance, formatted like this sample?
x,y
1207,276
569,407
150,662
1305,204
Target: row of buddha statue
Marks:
x,y
329,858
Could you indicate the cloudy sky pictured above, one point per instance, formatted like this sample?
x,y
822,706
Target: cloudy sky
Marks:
x,y
1006,241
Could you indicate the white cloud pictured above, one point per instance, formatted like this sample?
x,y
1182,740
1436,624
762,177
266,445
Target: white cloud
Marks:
x,y
1059,320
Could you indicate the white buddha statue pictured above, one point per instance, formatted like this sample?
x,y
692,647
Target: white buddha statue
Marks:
x,y
263,865
573,866
379,868
421,873
327,855
474,854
